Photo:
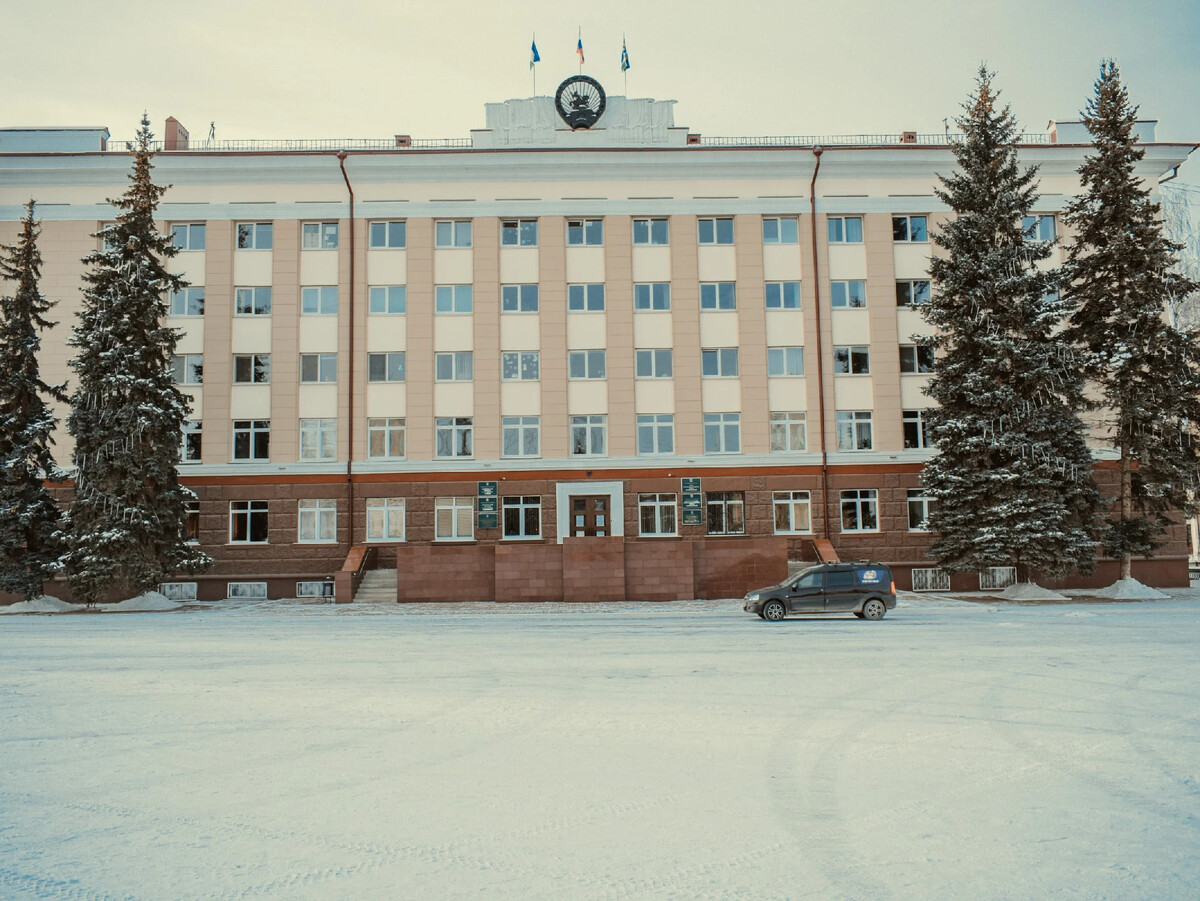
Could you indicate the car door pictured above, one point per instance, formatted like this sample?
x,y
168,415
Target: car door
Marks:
x,y
806,594
841,590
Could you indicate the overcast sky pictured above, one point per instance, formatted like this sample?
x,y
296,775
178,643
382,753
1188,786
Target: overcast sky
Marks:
x,y
374,68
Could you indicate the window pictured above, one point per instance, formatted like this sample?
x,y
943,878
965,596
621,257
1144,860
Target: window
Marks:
x,y
785,361
1038,228
389,235
452,233
585,232
319,236
246,589
916,358
782,295
318,521
860,510
188,369
322,301
187,302
718,296
720,362
385,367
589,435
585,298
252,301
912,293
656,433
188,237
317,368
520,436
916,429
845,229
316,588
726,512
919,504
454,367
385,439
252,369
252,439
180,591
854,430
523,366
518,232
787,432
656,514
385,299
780,230
522,516
716,231
793,512
585,364
247,522
385,519
722,433
255,235
848,295
909,228
192,445
453,518
191,522
852,360
653,364
652,296
651,231
318,439
453,436
453,299
519,298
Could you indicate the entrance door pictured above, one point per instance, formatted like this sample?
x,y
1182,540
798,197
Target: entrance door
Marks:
x,y
589,516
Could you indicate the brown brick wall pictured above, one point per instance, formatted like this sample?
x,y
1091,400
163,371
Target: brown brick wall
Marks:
x,y
659,570
449,572
593,569
729,567
529,572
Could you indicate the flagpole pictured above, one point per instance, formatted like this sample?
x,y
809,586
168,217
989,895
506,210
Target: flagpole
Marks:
x,y
580,44
533,67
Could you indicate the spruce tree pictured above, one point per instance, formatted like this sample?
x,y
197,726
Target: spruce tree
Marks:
x,y
1011,480
129,511
30,521
1120,280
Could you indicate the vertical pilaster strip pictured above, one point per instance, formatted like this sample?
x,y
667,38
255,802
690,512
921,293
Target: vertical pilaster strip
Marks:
x,y
552,317
886,426
285,342
752,334
486,338
419,353
618,279
216,438
685,319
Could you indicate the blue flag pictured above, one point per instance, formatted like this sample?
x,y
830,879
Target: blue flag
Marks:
x,y
624,57
579,50
533,54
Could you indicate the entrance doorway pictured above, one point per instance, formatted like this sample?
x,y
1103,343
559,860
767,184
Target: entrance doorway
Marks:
x,y
590,516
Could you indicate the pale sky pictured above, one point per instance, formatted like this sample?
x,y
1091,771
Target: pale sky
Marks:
x,y
371,69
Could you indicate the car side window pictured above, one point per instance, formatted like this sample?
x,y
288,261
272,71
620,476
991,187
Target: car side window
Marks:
x,y
812,580
838,580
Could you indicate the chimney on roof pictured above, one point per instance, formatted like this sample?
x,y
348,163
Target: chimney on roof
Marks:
x,y
403,140
693,138
908,137
176,137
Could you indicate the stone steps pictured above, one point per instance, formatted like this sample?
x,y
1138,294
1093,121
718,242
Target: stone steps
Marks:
x,y
377,586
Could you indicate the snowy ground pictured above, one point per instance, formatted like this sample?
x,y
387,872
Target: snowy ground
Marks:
x,y
951,751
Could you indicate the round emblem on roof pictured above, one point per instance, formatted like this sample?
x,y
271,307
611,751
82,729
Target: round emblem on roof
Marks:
x,y
580,101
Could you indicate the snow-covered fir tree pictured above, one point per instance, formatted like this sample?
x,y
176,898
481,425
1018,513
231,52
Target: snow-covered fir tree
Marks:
x,y
1011,480
31,538
129,512
1120,280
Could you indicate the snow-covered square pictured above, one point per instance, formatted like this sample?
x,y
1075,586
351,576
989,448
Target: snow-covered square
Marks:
x,y
953,750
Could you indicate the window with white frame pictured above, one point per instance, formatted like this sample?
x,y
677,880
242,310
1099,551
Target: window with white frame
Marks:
x,y
912,229
718,296
520,436
845,229
785,361
319,300
191,522
719,362
853,430
187,302
916,429
519,298
793,512
655,433
180,591
860,510
919,504
521,516
456,366
726,512
317,521
657,514
453,436
188,236
190,452
453,299
255,235
452,233
586,298
1038,228
385,519
319,236
316,588
318,368
586,364
318,439
913,292
389,235
386,367
854,360
651,231
188,369
916,358
247,522
585,232
251,440
387,299
848,295
251,369
518,232
520,366
251,590
653,363
782,295
781,230
648,296
252,301
715,230
589,435
722,433
453,518
787,432
385,438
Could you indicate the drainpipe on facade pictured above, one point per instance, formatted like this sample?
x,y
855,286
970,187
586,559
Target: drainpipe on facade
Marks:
x,y
812,199
350,379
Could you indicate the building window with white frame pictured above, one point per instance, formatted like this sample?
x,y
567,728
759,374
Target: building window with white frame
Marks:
x,y
191,522
784,361
781,230
317,521
252,440
520,436
782,295
1038,228
188,236
317,588
252,301
919,504
916,430
247,522
453,436
655,433
586,298
793,512
188,369
726,512
657,515
255,235
452,233
453,518
519,298
385,438
860,510
910,229
385,519
318,369
187,302
520,366
653,363
848,295
319,236
845,229
916,358
718,296
854,430
719,362
586,364
252,369
386,367
192,445
251,590
651,231
455,366
319,300
521,516
652,296
518,232
722,433
318,439
385,300
913,292
453,299
589,435
715,230
787,432
854,360
585,232
388,235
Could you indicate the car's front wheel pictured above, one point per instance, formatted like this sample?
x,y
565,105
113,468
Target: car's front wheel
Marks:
x,y
874,609
773,610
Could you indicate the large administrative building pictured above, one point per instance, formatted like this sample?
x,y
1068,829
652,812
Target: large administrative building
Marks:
x,y
616,360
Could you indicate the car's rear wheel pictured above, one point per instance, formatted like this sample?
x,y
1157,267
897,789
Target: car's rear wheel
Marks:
x,y
773,610
874,609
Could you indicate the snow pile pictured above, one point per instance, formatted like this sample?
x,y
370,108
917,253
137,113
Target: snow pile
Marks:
x,y
1030,591
43,604
151,600
1130,590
